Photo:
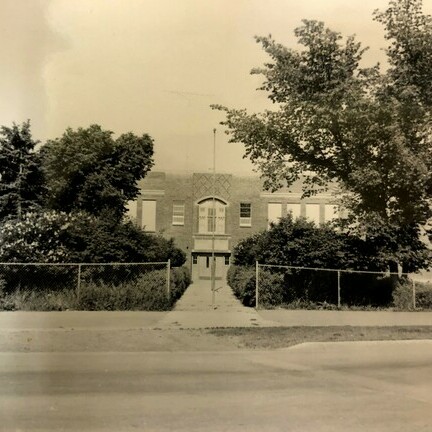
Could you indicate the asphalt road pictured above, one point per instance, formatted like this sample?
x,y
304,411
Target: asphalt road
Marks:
x,y
382,386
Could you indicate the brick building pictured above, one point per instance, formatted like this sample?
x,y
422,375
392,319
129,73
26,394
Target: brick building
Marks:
x,y
182,206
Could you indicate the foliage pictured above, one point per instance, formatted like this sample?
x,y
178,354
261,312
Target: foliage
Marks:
x,y
58,237
300,243
88,170
423,296
106,240
366,130
403,295
39,237
180,279
309,289
29,300
242,281
21,179
147,292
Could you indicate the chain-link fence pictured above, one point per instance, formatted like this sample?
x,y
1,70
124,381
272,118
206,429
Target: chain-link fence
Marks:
x,y
333,288
95,286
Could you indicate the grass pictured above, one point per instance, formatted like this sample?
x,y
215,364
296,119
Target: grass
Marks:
x,y
282,337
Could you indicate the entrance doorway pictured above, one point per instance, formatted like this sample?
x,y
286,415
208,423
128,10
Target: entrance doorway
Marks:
x,y
202,266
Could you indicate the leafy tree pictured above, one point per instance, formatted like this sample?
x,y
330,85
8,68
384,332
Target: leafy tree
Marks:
x,y
21,180
76,216
368,131
88,170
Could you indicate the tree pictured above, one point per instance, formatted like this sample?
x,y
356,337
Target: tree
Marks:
x,y
368,131
76,216
88,170
21,180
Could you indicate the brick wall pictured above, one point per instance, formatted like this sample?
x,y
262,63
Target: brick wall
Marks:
x,y
165,188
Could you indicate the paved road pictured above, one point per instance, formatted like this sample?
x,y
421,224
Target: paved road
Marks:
x,y
384,386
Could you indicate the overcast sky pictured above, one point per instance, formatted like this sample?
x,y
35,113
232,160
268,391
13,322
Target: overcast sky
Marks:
x,y
155,66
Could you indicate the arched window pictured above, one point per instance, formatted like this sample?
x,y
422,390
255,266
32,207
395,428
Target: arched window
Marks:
x,y
211,216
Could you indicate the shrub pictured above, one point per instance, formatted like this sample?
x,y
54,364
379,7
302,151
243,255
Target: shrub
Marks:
x,y
423,295
310,286
179,281
367,289
403,295
300,243
424,298
39,301
297,243
147,292
242,280
272,291
80,237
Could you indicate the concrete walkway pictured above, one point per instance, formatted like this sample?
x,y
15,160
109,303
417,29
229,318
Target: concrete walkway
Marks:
x,y
196,310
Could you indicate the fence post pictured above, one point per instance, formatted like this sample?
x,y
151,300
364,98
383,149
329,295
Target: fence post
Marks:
x,y
79,282
414,294
339,290
168,279
256,284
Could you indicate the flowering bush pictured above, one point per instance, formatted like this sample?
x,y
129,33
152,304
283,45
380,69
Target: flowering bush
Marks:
x,y
39,237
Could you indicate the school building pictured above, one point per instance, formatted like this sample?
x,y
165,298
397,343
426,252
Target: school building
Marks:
x,y
199,210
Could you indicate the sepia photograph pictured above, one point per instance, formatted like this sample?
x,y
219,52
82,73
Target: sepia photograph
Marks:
x,y
216,215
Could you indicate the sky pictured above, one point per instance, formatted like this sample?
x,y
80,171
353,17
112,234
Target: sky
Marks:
x,y
156,66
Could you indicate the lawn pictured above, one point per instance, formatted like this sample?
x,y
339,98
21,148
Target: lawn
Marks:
x,y
282,337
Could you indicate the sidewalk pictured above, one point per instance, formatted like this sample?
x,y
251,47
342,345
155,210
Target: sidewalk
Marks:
x,y
326,318
196,310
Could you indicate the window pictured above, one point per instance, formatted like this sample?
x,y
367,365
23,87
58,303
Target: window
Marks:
x,y
211,220
245,214
194,259
149,215
294,209
331,212
313,213
211,217
178,213
227,260
274,212
132,211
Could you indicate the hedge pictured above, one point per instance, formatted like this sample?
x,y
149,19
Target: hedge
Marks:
x,y
308,288
146,292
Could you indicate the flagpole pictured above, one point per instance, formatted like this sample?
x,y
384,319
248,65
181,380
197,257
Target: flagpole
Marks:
x,y
213,258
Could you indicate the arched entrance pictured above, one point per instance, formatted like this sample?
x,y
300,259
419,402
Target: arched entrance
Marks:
x,y
211,238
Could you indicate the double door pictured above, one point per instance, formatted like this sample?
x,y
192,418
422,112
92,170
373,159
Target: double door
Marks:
x,y
202,266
